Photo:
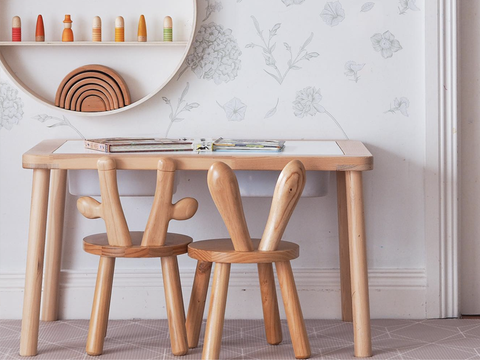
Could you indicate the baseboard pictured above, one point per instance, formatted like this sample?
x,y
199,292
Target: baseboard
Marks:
x,y
399,293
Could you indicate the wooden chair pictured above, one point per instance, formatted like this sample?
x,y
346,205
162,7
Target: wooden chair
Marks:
x,y
118,241
223,186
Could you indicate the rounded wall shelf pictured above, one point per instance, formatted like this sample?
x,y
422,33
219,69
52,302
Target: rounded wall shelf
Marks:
x,y
147,67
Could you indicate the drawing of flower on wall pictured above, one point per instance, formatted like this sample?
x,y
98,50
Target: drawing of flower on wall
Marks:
x,y
405,5
53,122
386,44
307,103
333,13
352,70
292,2
268,50
401,105
235,109
174,113
11,106
212,6
215,54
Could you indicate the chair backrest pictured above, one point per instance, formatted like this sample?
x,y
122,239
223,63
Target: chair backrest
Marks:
x,y
111,211
223,186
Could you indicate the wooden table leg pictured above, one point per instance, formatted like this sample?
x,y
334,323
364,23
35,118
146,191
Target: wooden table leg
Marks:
x,y
358,265
345,283
53,257
34,270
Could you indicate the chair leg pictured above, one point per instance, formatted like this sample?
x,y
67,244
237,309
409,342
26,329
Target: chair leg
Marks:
x,y
216,313
296,324
174,301
196,306
271,315
101,306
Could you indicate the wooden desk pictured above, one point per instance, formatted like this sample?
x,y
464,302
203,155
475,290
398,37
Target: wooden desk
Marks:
x,y
54,157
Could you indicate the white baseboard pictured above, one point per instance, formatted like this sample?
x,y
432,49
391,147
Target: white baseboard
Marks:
x,y
399,293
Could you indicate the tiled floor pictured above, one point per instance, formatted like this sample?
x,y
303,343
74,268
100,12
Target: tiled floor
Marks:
x,y
245,339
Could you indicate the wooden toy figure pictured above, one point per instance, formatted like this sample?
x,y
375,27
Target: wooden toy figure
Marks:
x,y
167,29
16,29
119,29
67,35
97,29
40,31
142,29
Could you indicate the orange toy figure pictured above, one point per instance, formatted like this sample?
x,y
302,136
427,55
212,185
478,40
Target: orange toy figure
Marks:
x,y
67,35
119,29
142,29
40,31
16,29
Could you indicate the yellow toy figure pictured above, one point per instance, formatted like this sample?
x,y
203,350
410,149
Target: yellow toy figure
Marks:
x,y
67,35
119,29
142,29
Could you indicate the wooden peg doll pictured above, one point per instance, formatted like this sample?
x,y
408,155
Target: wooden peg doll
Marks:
x,y
40,30
97,29
167,29
16,29
119,29
142,29
67,35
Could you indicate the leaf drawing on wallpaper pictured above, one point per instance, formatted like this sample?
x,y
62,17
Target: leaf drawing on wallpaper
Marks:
x,y
235,109
11,106
212,6
273,111
174,113
407,5
292,2
268,49
386,44
307,103
367,6
333,13
53,122
215,54
400,105
352,70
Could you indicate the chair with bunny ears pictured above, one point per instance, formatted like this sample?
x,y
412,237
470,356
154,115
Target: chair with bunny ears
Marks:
x,y
118,241
240,248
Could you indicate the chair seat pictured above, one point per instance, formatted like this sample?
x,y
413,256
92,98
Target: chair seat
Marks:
x,y
222,251
97,244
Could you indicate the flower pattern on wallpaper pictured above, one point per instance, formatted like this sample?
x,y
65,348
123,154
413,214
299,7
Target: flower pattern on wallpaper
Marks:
x,y
235,109
386,44
272,111
268,50
367,6
177,110
292,2
352,70
405,5
399,105
11,106
53,122
307,103
215,54
212,6
333,13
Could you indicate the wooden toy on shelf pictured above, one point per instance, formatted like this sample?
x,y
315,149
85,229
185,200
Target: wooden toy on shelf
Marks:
x,y
167,29
16,29
40,30
97,29
67,35
92,88
119,29
142,29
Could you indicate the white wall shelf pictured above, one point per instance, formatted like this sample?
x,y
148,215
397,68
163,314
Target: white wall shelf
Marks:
x,y
91,43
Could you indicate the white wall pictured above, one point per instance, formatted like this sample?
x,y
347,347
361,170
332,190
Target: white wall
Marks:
x,y
394,191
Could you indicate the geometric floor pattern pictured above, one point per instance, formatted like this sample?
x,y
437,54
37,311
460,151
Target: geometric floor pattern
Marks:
x,y
245,339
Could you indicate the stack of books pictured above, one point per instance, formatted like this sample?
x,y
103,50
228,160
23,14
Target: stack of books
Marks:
x,y
248,145
133,145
